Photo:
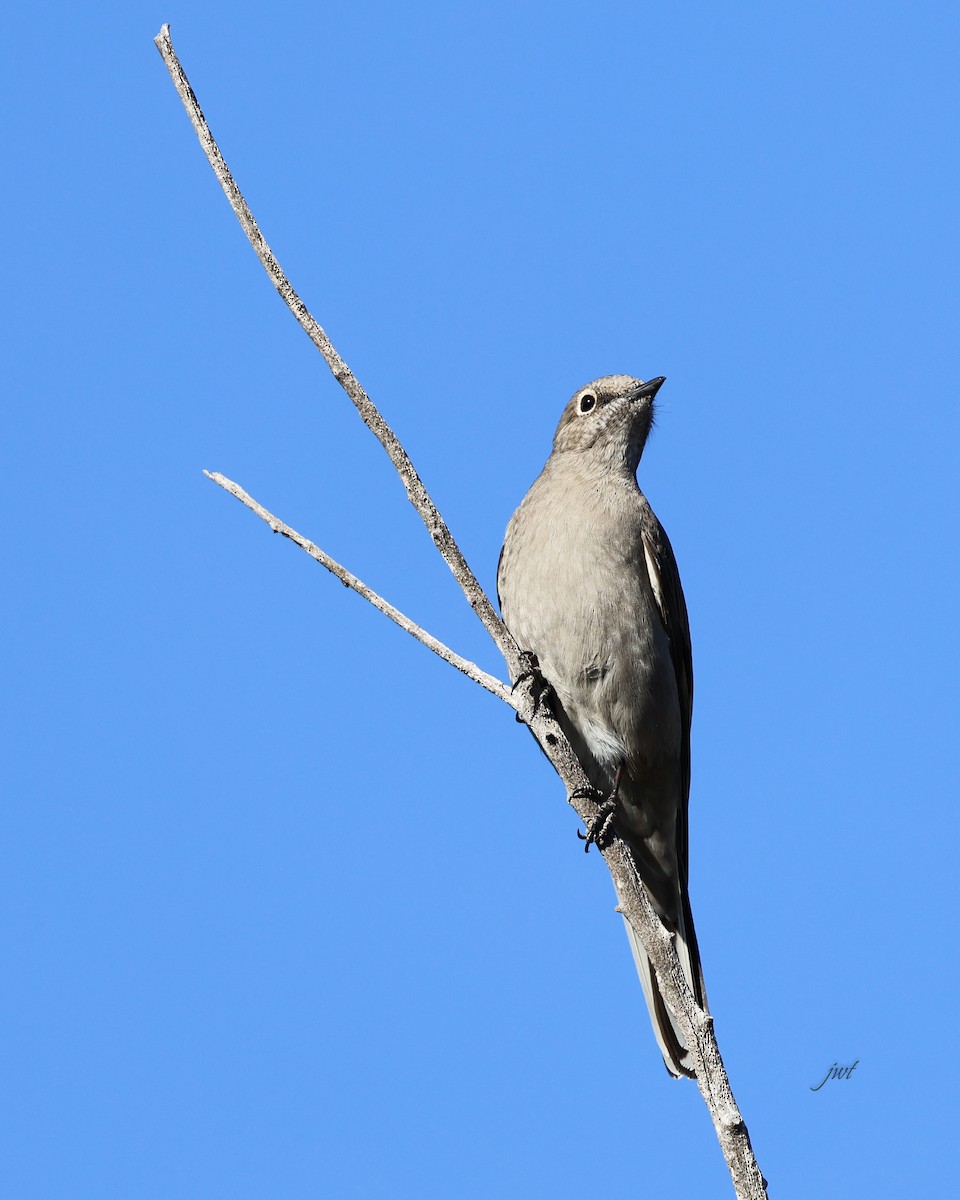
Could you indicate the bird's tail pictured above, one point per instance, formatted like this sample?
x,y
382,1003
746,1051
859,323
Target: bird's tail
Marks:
x,y
676,1055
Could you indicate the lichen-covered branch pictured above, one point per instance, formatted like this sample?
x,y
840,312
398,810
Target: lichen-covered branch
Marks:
x,y
697,1025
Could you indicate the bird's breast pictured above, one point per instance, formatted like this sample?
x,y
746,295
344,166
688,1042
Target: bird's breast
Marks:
x,y
575,590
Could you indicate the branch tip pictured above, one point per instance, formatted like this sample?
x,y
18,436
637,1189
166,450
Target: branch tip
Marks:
x,y
369,413
493,685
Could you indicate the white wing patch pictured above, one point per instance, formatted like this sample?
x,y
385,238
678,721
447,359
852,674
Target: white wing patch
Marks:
x,y
654,576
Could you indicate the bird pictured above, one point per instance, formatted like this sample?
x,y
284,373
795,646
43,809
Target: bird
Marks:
x,y
588,584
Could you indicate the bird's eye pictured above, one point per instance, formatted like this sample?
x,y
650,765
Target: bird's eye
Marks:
x,y
587,402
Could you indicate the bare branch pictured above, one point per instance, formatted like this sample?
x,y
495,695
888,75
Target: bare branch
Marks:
x,y
490,682
416,492
697,1026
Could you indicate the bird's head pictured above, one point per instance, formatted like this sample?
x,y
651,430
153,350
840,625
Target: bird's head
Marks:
x,y
608,420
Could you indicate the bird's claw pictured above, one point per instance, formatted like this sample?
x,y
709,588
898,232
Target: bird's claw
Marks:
x,y
600,827
532,677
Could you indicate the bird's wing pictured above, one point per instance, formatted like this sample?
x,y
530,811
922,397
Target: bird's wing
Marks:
x,y
665,582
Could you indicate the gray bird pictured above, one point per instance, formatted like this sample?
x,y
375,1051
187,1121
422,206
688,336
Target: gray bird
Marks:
x,y
588,583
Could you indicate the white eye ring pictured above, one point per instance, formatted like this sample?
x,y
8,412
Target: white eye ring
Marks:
x,y
587,402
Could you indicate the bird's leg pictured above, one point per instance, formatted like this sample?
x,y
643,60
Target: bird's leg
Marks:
x,y
600,827
532,678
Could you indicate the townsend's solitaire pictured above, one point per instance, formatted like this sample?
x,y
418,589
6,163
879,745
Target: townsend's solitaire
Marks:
x,y
588,583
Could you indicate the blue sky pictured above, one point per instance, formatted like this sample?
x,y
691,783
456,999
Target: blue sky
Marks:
x,y
289,907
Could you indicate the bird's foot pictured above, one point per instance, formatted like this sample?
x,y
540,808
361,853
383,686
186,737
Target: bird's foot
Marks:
x,y
599,827
531,678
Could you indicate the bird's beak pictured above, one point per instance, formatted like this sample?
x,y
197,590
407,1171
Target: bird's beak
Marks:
x,y
648,389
